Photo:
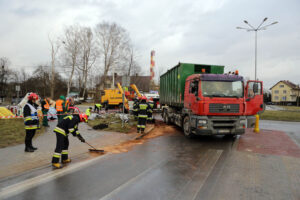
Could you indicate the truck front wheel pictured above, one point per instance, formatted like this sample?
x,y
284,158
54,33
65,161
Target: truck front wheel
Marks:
x,y
187,128
166,117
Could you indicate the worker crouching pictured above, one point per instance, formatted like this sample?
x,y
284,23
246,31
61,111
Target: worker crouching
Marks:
x,y
97,107
143,109
68,124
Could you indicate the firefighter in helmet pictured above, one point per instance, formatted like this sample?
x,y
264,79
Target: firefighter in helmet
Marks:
x,y
31,121
143,109
68,124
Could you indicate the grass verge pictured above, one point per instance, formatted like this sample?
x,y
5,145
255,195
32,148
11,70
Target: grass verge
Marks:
x,y
114,123
281,116
12,132
291,108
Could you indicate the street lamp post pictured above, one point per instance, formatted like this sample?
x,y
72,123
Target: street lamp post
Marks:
x,y
259,28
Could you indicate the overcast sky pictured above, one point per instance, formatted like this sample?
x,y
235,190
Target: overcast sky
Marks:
x,y
194,31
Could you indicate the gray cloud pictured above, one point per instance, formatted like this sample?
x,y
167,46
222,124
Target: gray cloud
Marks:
x,y
186,31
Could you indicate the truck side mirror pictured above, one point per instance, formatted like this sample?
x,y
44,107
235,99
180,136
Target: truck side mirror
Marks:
x,y
255,88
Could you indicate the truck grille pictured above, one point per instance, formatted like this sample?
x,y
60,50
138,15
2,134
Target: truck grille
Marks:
x,y
223,122
224,108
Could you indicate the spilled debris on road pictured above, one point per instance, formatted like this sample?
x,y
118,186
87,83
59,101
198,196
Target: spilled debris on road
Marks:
x,y
160,129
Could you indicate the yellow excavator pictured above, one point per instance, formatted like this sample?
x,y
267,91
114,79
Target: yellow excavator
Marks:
x,y
113,98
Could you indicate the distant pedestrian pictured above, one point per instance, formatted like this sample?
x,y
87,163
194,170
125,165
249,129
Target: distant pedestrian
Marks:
x,y
143,109
60,108
31,121
45,108
68,124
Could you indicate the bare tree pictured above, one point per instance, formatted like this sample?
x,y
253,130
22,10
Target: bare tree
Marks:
x,y
89,55
113,41
4,75
54,49
72,45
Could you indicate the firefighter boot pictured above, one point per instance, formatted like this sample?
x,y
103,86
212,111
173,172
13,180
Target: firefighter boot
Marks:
x,y
28,149
66,161
56,165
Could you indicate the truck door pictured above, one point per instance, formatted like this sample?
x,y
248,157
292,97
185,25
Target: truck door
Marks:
x,y
191,101
254,97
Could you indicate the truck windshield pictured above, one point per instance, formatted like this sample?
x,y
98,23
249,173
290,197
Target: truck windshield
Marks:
x,y
222,89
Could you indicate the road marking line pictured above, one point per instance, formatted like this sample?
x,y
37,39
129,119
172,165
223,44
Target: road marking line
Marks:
x,y
219,152
191,189
124,185
44,178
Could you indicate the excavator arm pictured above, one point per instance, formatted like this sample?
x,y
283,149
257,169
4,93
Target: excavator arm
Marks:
x,y
122,92
133,86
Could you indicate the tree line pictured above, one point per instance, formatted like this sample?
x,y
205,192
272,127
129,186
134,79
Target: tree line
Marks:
x,y
81,58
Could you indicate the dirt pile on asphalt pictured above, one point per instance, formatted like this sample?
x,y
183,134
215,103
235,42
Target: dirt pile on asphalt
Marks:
x,y
159,130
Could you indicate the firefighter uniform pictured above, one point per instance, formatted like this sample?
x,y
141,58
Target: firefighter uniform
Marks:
x,y
60,108
150,116
143,109
135,107
31,122
45,109
68,124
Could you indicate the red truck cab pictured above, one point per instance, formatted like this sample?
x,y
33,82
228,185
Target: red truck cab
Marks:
x,y
219,104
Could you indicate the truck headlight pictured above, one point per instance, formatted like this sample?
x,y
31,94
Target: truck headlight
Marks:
x,y
202,122
243,121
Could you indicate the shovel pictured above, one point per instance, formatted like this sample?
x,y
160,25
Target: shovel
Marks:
x,y
94,149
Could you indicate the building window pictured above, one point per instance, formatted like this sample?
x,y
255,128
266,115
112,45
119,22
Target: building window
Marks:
x,y
284,98
281,86
284,91
276,97
276,91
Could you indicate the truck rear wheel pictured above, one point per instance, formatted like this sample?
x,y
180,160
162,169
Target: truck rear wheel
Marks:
x,y
187,128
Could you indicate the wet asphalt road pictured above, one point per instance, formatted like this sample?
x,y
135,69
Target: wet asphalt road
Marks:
x,y
173,167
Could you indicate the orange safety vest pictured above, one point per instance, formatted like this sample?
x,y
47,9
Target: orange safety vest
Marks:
x,y
46,106
59,106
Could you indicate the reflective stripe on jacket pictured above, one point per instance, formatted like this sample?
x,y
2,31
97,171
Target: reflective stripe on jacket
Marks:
x,y
143,109
31,120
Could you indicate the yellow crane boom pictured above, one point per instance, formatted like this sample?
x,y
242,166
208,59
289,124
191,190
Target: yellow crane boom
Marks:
x,y
133,86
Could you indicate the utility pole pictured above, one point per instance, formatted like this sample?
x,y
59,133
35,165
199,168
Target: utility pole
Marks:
x,y
259,28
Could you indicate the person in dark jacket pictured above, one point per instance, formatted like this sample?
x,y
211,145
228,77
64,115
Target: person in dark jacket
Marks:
x,y
143,109
31,121
68,124
135,107
45,108
150,112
